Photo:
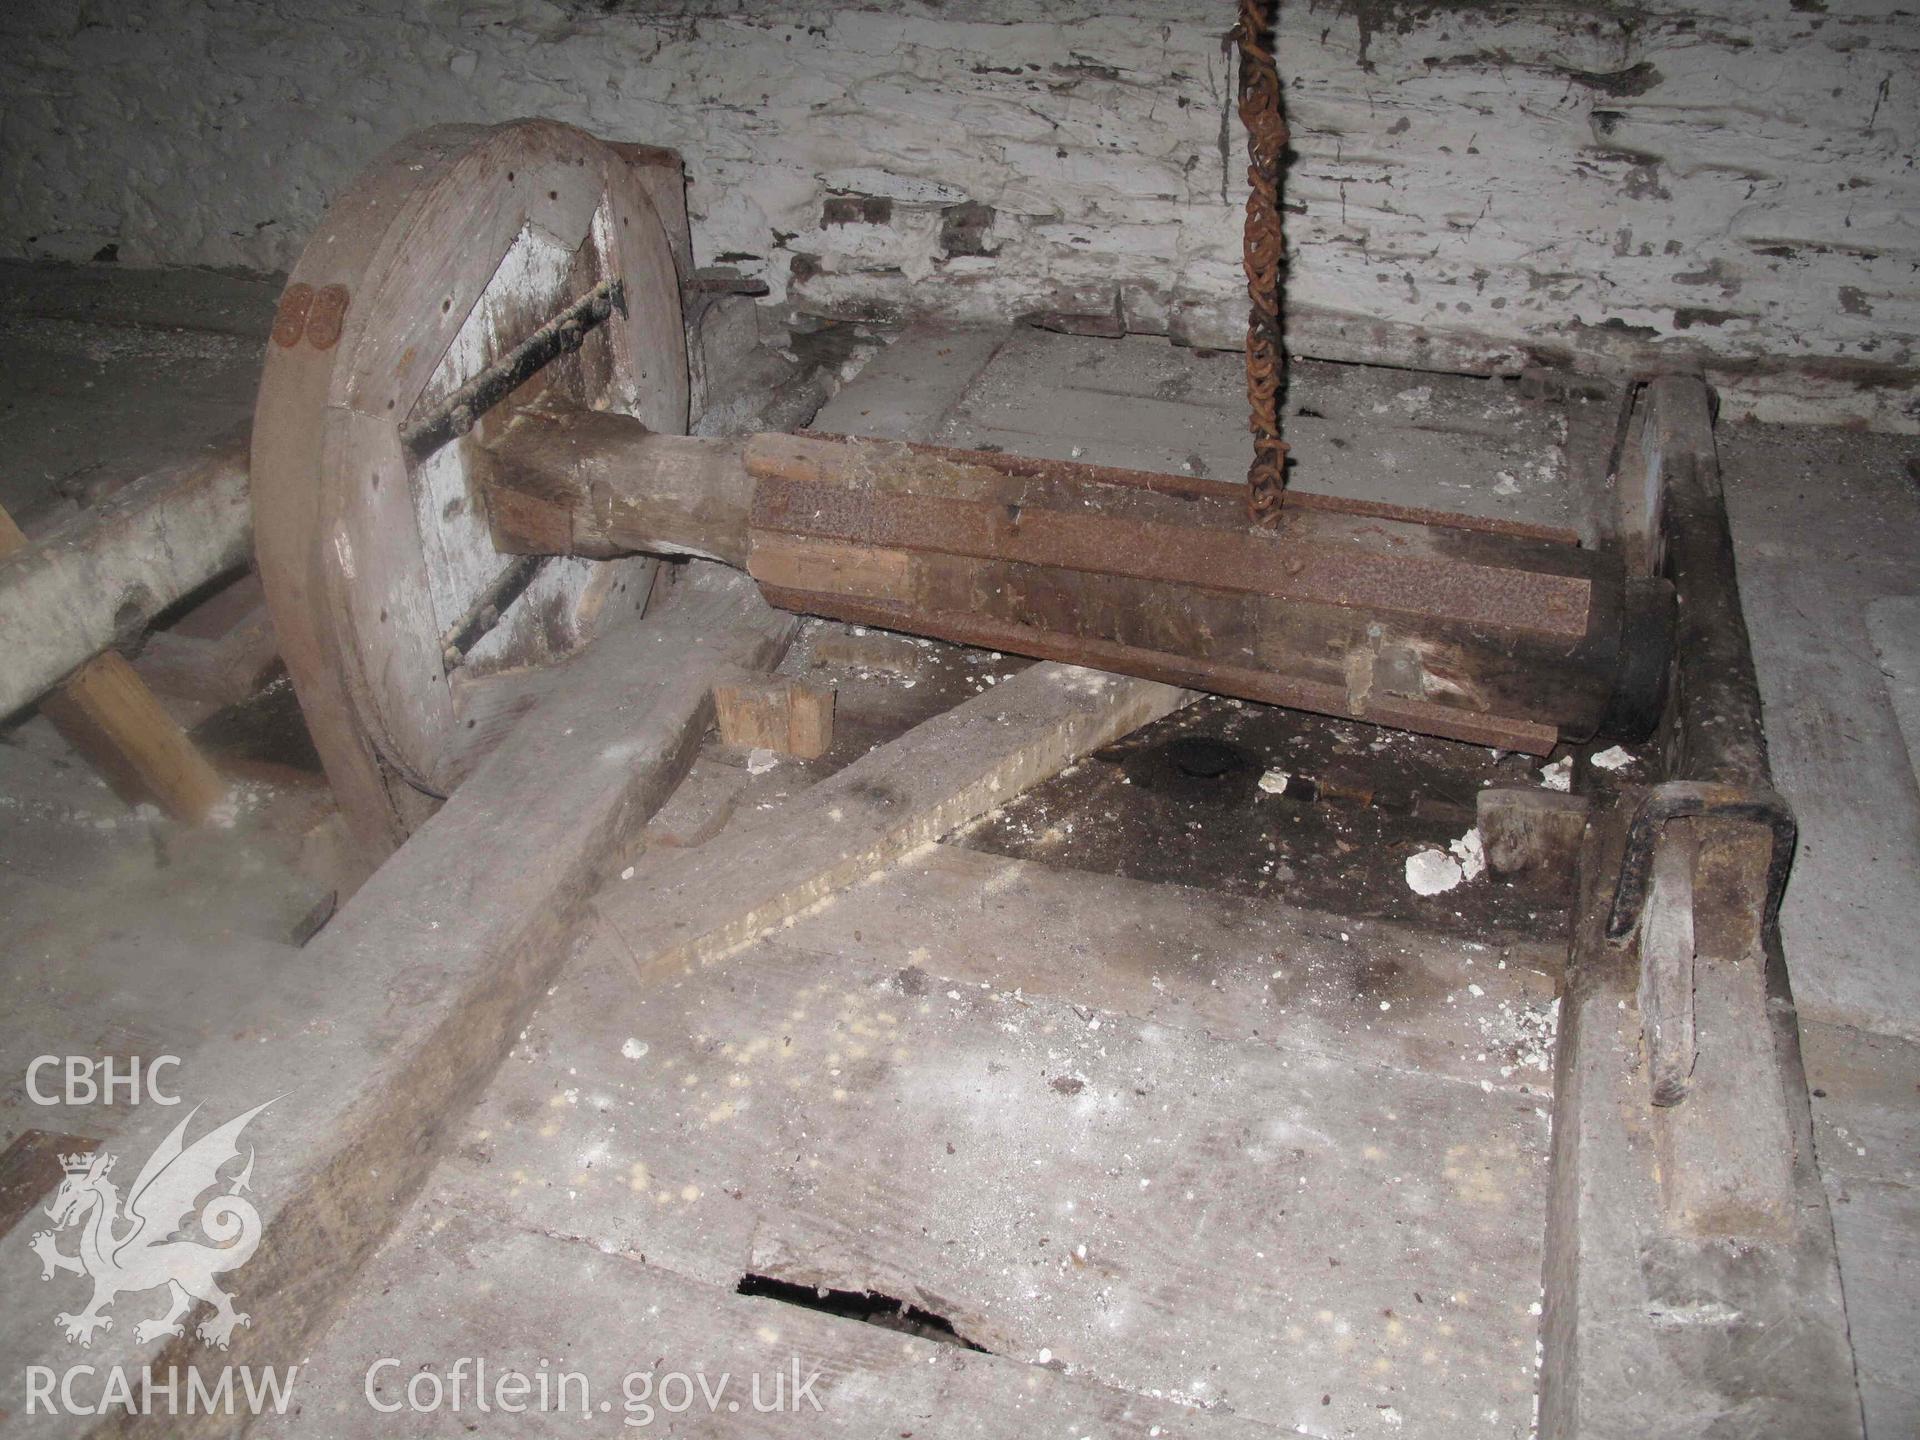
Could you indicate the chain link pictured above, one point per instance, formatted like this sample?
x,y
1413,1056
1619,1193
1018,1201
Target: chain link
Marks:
x,y
1265,251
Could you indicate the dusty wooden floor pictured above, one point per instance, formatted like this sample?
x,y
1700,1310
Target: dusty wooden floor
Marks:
x,y
1154,1126
1182,1132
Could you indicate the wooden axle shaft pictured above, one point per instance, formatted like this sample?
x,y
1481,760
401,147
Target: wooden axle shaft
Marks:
x,y
1493,633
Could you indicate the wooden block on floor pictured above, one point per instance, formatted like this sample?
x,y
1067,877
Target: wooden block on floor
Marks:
x,y
1530,832
1726,1152
789,717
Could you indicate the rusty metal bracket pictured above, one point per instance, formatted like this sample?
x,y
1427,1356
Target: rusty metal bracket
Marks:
x,y
1705,799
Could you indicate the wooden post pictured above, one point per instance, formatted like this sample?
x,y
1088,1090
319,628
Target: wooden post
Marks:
x,y
107,713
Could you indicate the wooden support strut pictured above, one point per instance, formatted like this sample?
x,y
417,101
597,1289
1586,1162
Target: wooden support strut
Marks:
x,y
1491,633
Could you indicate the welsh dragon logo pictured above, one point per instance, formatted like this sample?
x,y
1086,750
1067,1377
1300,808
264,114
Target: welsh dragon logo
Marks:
x,y
140,1247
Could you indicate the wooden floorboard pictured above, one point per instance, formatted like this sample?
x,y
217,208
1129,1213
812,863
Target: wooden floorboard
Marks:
x,y
1102,1170
604,1317
1365,991
902,795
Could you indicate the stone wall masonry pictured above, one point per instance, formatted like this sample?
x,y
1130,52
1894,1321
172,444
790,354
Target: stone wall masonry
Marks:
x,y
1477,184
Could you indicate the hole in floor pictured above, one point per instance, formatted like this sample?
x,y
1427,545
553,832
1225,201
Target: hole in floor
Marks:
x,y
866,1306
1197,768
1203,757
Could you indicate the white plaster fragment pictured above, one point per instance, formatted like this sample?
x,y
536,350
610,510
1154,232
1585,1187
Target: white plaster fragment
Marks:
x,y
1470,853
1430,871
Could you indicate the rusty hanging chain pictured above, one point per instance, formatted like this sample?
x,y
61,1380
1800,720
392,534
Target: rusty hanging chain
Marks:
x,y
1265,250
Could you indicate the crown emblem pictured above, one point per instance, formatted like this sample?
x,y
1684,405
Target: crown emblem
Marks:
x,y
78,1164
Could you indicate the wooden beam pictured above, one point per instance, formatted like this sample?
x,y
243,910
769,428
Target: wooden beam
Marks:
x,y
1639,1280
107,713
69,596
1689,1244
578,484
1530,833
701,905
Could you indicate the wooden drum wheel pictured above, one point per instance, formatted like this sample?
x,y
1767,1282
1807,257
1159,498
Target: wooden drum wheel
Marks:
x,y
470,273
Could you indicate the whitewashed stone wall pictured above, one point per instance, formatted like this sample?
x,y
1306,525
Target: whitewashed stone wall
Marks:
x,y
1478,183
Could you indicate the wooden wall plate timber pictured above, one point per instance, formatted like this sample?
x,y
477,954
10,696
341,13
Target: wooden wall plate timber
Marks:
x,y
442,258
